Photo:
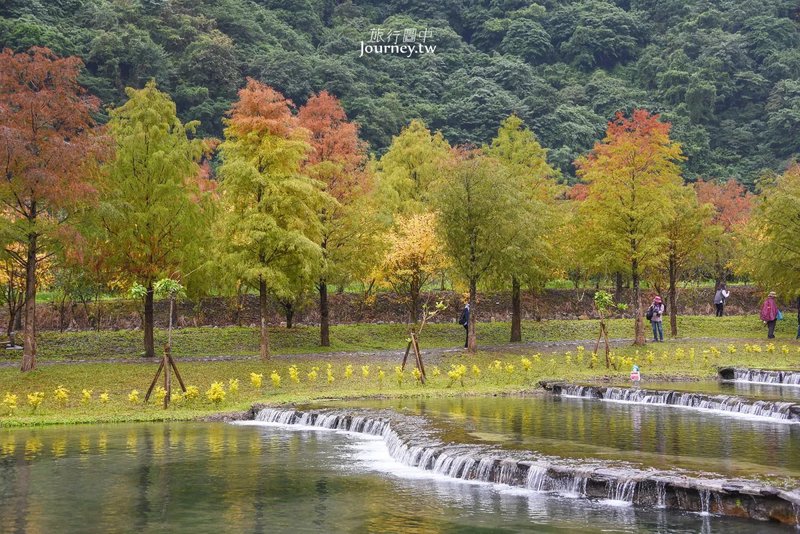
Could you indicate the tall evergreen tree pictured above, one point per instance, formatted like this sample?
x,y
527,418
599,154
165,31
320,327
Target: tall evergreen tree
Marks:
x,y
152,206
269,224
530,257
632,174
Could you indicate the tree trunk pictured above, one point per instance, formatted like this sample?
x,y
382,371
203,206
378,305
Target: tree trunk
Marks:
x,y
472,341
414,301
638,328
97,311
262,305
149,345
673,296
29,343
173,314
18,318
618,287
289,309
324,319
516,310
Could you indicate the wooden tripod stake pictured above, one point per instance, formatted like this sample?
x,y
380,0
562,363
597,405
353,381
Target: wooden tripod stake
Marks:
x,y
603,336
414,343
166,364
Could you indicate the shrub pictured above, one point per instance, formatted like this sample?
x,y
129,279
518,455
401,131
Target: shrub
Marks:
x,y
62,395
256,379
216,393
35,399
276,379
10,402
192,392
133,396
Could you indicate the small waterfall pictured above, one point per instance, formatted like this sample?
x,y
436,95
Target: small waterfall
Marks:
x,y
784,411
661,494
705,501
622,490
467,462
767,376
485,468
537,478
571,485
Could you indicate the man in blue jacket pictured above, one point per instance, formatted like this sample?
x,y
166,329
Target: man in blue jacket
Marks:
x,y
464,321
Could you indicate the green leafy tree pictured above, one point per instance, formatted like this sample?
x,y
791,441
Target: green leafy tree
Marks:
x,y
407,170
152,208
530,257
774,252
269,225
690,233
479,211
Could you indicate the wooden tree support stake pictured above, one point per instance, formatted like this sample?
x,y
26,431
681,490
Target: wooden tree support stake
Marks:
x,y
603,335
166,364
414,344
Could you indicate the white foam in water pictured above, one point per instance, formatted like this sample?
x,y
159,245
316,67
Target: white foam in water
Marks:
x,y
776,412
381,449
766,376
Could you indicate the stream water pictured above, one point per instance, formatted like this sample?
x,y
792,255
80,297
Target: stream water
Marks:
x,y
643,435
275,478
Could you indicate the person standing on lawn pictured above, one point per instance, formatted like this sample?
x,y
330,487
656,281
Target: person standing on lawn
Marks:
x,y
769,314
720,297
464,321
798,318
656,314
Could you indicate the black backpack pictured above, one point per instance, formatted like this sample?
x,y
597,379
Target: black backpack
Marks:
x,y
649,314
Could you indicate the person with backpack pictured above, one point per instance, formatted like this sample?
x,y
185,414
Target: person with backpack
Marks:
x,y
720,297
798,318
655,314
770,314
464,321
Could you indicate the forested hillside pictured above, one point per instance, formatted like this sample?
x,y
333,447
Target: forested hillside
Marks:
x,y
725,73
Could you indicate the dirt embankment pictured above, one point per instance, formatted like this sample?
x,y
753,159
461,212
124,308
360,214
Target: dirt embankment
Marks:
x,y
352,308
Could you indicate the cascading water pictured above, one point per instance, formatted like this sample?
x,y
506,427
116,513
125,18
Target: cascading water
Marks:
x,y
662,489
783,411
622,490
766,376
661,494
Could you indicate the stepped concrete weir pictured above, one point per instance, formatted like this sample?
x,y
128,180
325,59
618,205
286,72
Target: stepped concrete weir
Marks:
x,y
786,412
410,440
776,377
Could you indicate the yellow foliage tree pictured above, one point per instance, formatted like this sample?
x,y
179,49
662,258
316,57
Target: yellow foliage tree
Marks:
x,y
415,255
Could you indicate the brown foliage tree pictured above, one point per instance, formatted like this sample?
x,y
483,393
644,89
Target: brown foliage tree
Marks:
x,y
49,146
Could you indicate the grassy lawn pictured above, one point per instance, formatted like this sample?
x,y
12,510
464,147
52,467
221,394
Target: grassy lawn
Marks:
x,y
486,372
234,341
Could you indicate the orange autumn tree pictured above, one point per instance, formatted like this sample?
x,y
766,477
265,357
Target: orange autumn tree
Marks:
x,y
732,207
337,159
49,146
268,225
632,174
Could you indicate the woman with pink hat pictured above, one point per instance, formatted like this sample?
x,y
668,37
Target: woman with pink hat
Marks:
x,y
655,313
770,314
